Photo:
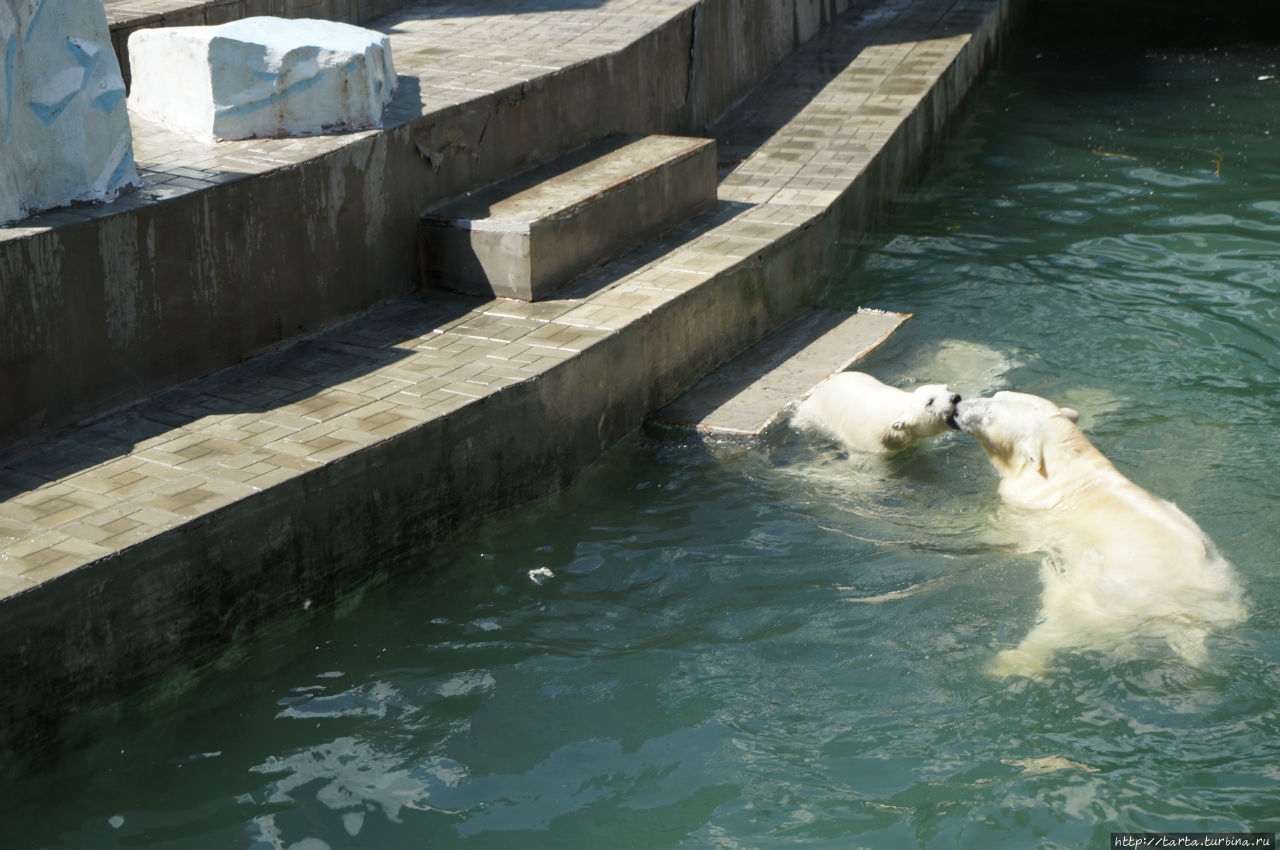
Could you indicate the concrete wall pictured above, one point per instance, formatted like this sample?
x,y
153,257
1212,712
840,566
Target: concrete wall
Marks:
x,y
736,42
95,315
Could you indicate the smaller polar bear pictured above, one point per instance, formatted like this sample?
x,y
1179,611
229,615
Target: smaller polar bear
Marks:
x,y
1121,565
869,416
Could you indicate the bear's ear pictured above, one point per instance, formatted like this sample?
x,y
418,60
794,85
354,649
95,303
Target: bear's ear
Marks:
x,y
1070,412
1031,448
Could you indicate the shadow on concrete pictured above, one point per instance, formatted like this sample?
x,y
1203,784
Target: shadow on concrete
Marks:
x,y
438,9
406,104
779,97
614,271
699,403
352,350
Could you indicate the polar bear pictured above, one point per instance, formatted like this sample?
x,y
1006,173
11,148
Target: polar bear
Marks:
x,y
869,416
1121,566
978,369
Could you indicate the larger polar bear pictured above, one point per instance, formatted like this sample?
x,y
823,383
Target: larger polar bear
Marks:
x,y
1122,566
867,415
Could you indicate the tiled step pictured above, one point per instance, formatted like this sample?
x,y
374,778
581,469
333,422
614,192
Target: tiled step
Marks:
x,y
747,394
527,236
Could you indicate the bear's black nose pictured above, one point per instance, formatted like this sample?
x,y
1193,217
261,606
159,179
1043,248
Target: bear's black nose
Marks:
x,y
955,398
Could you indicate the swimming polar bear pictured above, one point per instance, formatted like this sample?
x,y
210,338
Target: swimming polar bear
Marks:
x,y
1121,565
869,416
975,368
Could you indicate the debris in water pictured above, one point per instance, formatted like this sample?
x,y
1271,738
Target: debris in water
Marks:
x,y
1101,152
1214,155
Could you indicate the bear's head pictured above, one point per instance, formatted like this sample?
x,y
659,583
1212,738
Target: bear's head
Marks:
x,y
931,411
1015,428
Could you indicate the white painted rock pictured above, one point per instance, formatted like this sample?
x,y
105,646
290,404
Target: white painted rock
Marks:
x,y
64,128
261,77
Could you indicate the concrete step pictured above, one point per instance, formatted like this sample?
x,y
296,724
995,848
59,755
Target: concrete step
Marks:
x,y
749,393
526,236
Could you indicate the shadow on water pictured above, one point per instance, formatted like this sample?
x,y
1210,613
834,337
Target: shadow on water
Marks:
x,y
1105,27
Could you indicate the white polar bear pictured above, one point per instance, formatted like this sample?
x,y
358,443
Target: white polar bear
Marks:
x,y
869,416
975,367
1121,565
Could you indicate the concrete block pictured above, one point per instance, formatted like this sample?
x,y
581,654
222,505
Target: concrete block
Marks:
x,y
527,236
261,77
64,129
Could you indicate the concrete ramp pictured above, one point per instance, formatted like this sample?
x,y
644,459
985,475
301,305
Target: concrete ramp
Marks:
x,y
747,394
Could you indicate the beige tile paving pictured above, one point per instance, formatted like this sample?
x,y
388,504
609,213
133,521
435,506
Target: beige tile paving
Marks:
x,y
790,150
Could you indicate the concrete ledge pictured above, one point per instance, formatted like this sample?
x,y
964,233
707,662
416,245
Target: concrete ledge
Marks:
x,y
525,237
747,395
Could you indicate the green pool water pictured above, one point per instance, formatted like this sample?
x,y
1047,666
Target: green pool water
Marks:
x,y
776,645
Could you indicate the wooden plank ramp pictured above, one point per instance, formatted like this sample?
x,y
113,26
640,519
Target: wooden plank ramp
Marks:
x,y
745,395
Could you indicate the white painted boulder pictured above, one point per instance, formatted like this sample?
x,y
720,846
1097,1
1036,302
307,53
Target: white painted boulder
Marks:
x,y
261,77
64,128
